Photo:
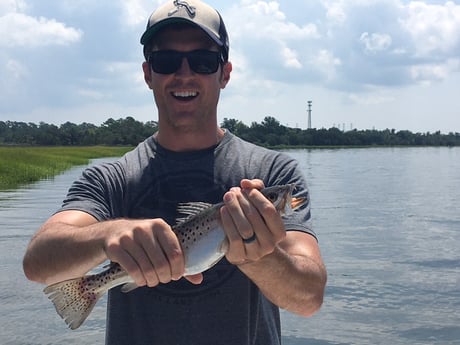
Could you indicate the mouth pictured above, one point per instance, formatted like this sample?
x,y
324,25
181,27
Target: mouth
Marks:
x,y
297,202
185,96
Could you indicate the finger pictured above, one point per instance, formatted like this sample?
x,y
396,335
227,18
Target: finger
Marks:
x,y
255,238
252,215
260,242
158,265
163,250
236,252
249,184
130,266
237,207
117,252
146,253
270,216
173,254
195,278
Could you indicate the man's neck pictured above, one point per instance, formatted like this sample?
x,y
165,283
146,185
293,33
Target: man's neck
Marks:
x,y
189,141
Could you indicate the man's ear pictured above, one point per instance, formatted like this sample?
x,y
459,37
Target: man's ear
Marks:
x,y
226,71
147,74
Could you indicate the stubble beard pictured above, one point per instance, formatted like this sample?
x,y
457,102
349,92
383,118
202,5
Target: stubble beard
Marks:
x,y
188,123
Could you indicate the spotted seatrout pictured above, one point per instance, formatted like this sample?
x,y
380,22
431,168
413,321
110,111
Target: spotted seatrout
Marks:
x,y
203,242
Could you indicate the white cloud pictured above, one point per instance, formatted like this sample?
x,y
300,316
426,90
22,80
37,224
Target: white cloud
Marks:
x,y
391,43
272,45
375,42
13,73
15,69
91,95
335,11
427,73
373,97
18,29
326,63
358,53
130,73
290,57
433,28
135,12
7,6
260,19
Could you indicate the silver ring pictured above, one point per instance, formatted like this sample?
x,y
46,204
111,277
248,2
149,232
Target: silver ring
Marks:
x,y
250,239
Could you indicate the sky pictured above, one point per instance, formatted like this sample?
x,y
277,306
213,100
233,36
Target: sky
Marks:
x,y
364,64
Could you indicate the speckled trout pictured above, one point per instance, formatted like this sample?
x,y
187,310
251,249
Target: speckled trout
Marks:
x,y
203,243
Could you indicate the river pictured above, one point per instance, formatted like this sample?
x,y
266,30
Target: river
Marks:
x,y
388,221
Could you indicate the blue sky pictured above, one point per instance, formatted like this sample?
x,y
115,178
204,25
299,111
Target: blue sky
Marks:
x,y
364,63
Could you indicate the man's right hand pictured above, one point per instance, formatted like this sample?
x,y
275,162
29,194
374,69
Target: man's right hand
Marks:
x,y
71,243
149,251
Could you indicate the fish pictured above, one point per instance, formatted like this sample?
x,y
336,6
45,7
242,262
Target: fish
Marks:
x,y
203,243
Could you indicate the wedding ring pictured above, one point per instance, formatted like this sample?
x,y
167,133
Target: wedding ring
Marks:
x,y
250,239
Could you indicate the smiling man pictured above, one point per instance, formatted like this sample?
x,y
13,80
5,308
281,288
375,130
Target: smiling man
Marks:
x,y
186,71
124,211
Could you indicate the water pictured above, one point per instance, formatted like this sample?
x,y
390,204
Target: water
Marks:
x,y
388,220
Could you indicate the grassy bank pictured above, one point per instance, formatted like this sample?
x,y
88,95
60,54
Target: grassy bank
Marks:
x,y
23,165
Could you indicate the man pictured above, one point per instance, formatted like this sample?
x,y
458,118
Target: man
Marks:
x,y
124,211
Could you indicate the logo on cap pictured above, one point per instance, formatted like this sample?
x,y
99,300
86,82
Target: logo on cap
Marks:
x,y
183,4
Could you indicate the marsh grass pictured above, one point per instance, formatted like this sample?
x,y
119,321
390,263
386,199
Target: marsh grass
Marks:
x,y
24,165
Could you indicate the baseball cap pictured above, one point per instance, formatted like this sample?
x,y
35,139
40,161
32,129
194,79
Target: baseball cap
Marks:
x,y
194,12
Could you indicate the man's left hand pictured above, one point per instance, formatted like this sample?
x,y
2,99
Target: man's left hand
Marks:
x,y
251,223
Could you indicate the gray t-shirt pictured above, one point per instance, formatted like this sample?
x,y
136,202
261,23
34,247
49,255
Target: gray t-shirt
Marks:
x,y
149,182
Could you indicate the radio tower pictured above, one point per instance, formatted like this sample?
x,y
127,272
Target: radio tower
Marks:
x,y
309,114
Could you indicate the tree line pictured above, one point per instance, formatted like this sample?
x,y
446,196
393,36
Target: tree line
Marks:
x,y
270,133
127,131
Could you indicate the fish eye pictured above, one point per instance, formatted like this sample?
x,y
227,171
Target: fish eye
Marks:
x,y
272,197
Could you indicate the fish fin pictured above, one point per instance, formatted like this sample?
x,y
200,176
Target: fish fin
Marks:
x,y
190,209
224,245
128,287
72,301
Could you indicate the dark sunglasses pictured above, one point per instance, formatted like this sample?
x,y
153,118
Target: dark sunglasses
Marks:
x,y
200,61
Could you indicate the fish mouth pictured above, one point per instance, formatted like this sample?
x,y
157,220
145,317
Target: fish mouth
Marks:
x,y
297,202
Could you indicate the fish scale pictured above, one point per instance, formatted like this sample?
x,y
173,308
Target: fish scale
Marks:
x,y
202,219
203,243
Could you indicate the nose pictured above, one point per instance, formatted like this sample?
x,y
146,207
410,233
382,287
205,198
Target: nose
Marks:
x,y
184,68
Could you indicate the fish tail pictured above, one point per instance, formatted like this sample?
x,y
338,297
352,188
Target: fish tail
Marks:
x,y
73,300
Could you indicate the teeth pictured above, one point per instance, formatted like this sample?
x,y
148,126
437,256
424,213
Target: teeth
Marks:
x,y
185,94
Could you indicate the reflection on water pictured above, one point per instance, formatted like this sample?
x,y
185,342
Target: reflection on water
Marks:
x,y
387,220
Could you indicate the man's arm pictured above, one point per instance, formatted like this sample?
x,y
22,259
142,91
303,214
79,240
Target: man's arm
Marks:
x,y
71,243
61,250
286,266
293,276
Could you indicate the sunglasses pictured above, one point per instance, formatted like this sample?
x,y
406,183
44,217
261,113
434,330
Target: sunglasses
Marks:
x,y
170,61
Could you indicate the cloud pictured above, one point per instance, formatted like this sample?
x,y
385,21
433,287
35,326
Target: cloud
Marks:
x,y
19,29
135,12
325,65
434,29
375,97
269,45
7,6
15,69
290,58
364,51
375,42
20,34
427,73
13,73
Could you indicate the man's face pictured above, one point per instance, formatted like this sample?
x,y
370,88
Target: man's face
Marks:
x,y
186,100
